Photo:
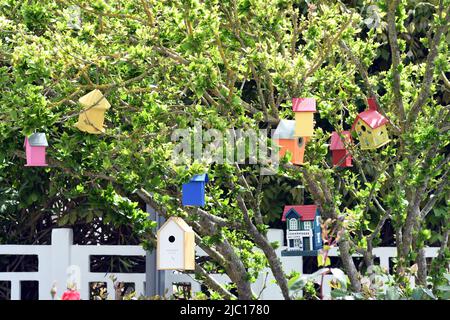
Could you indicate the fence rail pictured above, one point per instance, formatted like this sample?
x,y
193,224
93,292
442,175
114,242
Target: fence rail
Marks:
x,y
56,261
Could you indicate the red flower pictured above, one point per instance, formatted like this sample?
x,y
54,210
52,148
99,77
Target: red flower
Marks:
x,y
71,295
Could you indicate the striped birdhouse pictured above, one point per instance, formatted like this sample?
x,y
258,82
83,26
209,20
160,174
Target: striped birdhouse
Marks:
x,y
92,117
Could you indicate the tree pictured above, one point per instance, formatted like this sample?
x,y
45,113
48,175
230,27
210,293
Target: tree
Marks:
x,y
232,64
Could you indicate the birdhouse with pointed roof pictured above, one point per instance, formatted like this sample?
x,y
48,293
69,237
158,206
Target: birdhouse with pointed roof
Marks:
x,y
340,156
371,127
303,231
194,191
304,109
35,149
287,142
92,118
175,245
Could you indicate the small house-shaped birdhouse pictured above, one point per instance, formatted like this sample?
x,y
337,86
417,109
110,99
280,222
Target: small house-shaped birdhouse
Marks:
x,y
91,119
303,231
304,109
175,245
35,149
286,140
370,126
340,155
194,191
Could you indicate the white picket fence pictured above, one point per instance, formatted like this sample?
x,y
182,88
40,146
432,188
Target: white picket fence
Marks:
x,y
56,259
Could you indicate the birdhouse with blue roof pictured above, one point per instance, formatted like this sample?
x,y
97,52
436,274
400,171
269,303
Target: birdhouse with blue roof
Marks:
x,y
303,230
35,149
287,141
194,191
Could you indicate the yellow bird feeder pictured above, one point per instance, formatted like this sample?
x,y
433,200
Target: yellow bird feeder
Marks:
x,y
91,119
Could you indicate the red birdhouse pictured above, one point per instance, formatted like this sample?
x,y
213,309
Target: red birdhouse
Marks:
x,y
35,146
340,155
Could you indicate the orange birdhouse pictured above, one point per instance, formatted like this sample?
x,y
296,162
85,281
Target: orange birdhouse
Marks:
x,y
304,109
91,119
287,141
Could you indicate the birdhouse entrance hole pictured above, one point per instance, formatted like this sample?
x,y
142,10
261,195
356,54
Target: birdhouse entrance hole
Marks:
x,y
171,239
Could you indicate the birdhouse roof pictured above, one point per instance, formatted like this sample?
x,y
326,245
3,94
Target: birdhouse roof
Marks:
x,y
373,118
179,221
337,142
38,140
305,212
95,97
200,178
285,130
304,104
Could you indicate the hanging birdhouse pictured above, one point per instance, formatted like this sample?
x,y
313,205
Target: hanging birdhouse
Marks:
x,y
91,119
340,155
175,245
371,127
194,191
304,109
303,231
287,141
35,149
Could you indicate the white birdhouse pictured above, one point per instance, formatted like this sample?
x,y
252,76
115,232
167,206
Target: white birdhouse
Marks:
x,y
175,245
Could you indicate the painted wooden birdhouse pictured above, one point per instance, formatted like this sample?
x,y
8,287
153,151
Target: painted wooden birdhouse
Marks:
x,y
286,140
35,149
371,127
91,119
340,156
304,109
194,191
175,245
303,231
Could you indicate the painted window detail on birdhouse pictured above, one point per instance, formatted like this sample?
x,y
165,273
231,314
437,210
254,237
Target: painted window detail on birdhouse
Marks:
x,y
35,150
193,192
92,118
175,245
302,228
340,156
304,109
293,224
370,126
307,225
287,142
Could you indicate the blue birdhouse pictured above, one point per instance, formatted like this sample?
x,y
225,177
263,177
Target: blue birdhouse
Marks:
x,y
194,191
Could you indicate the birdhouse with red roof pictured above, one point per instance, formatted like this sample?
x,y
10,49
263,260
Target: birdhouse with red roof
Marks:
x,y
371,127
35,149
340,156
287,142
304,109
303,231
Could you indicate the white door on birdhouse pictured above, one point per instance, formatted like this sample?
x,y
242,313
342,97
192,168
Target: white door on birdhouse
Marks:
x,y
176,245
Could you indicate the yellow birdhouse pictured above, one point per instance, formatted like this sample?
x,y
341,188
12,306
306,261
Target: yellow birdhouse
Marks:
x,y
304,109
370,127
91,119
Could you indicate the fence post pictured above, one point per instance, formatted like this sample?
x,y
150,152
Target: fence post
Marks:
x,y
154,280
62,240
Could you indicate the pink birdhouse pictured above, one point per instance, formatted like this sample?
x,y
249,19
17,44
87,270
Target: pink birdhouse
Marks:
x,y
340,155
35,146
